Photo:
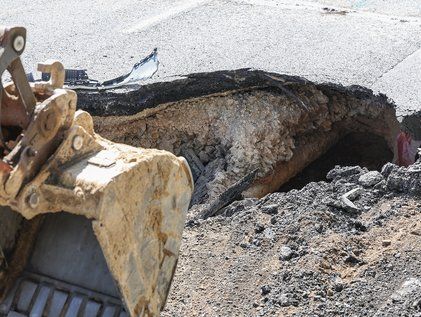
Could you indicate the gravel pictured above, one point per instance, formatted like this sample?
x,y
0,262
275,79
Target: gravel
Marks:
x,y
311,257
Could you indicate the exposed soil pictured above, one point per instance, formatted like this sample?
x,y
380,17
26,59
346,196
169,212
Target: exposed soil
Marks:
x,y
301,253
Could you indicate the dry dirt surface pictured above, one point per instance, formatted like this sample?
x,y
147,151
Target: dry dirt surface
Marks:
x,y
309,252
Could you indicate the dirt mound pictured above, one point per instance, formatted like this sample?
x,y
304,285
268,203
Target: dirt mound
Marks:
x,y
307,252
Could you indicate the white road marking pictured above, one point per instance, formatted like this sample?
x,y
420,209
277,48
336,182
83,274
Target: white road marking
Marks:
x,y
176,10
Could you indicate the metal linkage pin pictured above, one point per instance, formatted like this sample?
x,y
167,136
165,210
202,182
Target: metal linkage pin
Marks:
x,y
18,43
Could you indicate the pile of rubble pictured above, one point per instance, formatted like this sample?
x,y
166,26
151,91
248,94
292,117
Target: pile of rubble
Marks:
x,y
350,246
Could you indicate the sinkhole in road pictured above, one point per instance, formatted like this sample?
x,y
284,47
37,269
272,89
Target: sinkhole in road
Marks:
x,y
356,148
229,123
226,124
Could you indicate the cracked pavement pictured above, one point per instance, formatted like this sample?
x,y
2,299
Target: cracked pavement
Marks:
x,y
373,43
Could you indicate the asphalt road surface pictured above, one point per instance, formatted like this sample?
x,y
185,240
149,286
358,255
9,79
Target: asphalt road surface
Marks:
x,y
374,43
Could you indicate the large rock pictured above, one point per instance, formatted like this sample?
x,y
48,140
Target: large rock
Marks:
x,y
370,179
405,180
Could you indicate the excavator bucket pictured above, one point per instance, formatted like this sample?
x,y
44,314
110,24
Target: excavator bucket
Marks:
x,y
88,227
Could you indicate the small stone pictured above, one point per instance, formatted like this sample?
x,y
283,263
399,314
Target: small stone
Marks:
x,y
360,226
265,289
387,169
354,193
325,265
284,300
338,287
259,228
352,259
381,186
192,223
270,209
386,243
342,172
209,149
370,272
256,242
416,232
370,178
286,253
269,233
319,228
348,205
204,157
